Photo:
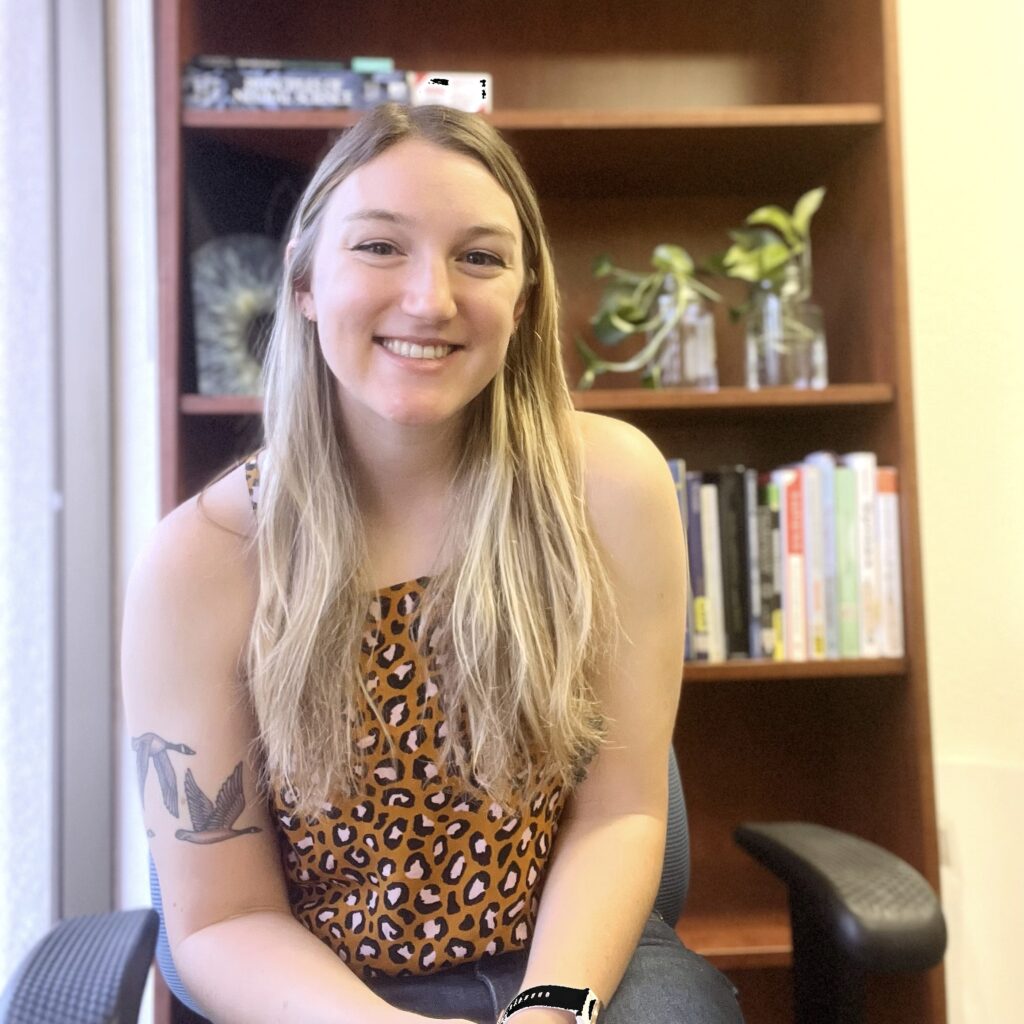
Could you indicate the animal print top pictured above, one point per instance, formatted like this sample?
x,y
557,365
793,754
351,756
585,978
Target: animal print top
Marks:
x,y
411,875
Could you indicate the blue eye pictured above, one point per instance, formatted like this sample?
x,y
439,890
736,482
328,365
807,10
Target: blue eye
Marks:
x,y
366,246
498,261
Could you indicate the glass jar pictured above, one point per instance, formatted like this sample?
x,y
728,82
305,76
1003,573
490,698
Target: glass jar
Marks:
x,y
785,336
687,357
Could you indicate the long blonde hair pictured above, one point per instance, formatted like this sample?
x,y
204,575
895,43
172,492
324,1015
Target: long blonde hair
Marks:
x,y
521,616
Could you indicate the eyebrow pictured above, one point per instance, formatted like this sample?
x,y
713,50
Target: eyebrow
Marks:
x,y
398,218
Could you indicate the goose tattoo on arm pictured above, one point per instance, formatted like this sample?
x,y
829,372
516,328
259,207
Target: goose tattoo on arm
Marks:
x,y
150,747
211,822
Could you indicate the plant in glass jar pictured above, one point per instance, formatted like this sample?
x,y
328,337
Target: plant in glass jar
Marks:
x,y
785,336
668,306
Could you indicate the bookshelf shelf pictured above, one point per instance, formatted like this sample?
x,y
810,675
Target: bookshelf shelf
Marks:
x,y
631,400
805,115
755,670
642,399
739,942
742,148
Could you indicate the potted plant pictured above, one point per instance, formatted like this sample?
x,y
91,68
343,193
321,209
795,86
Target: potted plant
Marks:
x,y
668,306
785,338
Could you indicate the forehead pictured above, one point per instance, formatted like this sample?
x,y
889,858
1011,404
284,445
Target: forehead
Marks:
x,y
424,184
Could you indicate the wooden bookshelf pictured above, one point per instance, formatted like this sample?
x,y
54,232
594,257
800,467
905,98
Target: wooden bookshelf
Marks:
x,y
670,126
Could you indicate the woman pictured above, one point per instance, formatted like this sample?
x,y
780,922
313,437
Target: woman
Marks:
x,y
438,620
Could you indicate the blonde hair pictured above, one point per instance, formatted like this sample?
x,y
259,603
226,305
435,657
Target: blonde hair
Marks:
x,y
520,616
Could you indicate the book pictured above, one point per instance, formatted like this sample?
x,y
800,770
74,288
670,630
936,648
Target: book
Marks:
x,y
754,646
213,82
677,467
769,568
826,463
847,569
794,600
865,470
695,555
889,563
733,550
814,561
710,541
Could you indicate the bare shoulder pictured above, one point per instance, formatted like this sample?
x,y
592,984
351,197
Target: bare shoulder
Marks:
x,y
631,501
624,468
204,546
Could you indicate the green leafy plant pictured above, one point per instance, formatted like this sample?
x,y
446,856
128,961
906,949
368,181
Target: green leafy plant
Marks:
x,y
630,306
772,239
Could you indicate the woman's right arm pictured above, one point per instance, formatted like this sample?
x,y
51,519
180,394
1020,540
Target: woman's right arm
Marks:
x,y
238,949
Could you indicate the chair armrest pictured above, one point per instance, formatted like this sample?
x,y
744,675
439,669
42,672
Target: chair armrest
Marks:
x,y
86,970
874,906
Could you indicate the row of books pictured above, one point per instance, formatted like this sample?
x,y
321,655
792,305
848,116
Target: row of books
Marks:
x,y
798,564
243,83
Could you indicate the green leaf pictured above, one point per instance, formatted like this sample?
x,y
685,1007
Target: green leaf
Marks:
x,y
772,258
753,238
602,265
610,329
777,218
806,207
672,259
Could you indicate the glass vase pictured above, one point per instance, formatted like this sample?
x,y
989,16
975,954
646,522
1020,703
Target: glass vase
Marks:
x,y
688,357
785,337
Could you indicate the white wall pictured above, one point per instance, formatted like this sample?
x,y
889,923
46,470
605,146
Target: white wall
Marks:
x,y
963,121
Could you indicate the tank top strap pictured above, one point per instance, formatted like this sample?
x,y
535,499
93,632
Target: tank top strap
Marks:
x,y
252,478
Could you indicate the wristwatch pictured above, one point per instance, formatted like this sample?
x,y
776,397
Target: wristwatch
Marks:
x,y
581,1001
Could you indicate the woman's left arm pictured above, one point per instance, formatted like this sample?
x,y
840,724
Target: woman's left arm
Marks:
x,y
606,864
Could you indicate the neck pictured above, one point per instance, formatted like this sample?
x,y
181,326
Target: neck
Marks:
x,y
402,473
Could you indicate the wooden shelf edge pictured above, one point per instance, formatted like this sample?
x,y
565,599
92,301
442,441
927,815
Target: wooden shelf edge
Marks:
x,y
803,115
740,942
844,668
629,399
731,398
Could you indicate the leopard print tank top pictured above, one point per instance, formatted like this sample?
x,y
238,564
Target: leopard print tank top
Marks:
x,y
411,875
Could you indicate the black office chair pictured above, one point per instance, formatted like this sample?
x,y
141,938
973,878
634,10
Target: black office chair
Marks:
x,y
854,908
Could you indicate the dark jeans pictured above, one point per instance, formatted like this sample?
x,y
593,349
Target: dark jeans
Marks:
x,y
664,983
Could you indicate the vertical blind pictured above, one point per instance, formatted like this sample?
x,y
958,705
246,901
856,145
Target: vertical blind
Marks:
x,y
56,523
28,516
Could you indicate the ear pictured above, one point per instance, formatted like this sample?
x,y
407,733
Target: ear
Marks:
x,y
303,298
517,312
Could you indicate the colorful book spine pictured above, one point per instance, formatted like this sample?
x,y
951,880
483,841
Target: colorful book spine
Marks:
x,y
770,568
732,535
713,571
814,562
865,469
826,463
890,566
794,599
847,568
754,646
695,552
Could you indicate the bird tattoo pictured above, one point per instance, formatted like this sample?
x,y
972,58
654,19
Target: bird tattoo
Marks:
x,y
211,823
150,747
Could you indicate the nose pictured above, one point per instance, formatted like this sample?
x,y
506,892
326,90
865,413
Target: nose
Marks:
x,y
427,293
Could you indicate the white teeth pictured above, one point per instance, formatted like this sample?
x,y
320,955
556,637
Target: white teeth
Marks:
x,y
411,351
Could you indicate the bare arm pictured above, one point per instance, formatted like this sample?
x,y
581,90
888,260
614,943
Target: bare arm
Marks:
x,y
614,824
238,949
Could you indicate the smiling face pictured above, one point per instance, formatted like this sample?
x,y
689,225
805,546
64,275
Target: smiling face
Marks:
x,y
415,285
